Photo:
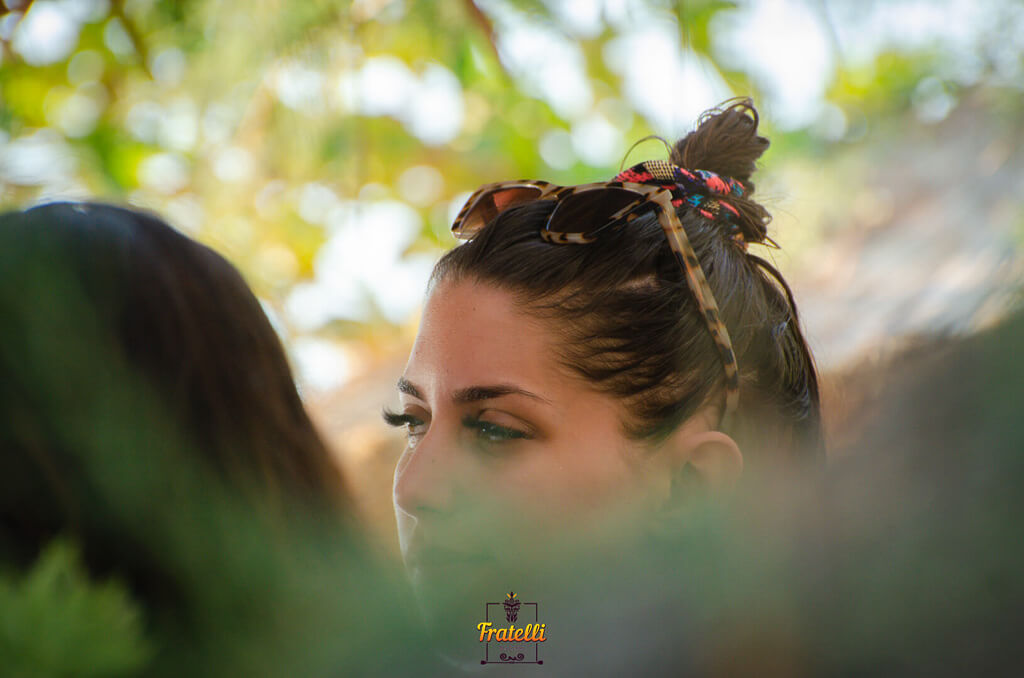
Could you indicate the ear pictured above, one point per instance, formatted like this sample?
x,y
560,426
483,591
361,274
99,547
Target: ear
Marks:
x,y
715,458
696,462
701,459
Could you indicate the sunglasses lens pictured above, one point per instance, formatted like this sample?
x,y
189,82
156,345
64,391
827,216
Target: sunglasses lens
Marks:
x,y
490,204
590,211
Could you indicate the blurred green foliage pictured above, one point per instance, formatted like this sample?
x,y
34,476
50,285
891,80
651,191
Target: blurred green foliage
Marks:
x,y
55,622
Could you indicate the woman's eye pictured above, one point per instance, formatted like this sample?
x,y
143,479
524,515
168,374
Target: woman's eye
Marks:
x,y
414,426
490,432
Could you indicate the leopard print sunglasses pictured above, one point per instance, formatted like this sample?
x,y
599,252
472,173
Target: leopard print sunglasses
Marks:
x,y
606,205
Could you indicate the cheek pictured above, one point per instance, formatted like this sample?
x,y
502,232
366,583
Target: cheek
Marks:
x,y
562,484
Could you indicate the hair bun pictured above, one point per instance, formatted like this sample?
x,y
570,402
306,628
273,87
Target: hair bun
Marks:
x,y
726,142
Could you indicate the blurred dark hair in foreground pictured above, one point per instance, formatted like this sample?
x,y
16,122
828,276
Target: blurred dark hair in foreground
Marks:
x,y
177,314
148,417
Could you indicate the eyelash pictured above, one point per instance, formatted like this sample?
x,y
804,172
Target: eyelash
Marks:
x,y
487,432
493,433
398,420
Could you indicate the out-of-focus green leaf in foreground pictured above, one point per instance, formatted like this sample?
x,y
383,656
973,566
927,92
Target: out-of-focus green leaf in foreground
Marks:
x,y
56,622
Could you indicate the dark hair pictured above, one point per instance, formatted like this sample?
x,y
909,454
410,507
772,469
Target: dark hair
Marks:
x,y
630,323
120,332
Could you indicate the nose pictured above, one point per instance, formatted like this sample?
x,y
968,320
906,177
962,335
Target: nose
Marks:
x,y
425,476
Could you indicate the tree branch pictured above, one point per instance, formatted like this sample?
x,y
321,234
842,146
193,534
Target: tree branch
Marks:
x,y
117,10
485,24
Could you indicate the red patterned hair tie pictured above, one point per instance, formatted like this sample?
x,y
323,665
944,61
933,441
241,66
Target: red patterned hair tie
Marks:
x,y
704,191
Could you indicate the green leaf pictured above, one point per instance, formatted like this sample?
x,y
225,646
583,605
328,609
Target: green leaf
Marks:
x,y
55,622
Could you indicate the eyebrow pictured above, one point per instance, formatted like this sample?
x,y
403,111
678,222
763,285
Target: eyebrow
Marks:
x,y
406,386
477,393
474,393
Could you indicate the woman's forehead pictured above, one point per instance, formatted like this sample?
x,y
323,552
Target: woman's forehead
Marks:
x,y
472,333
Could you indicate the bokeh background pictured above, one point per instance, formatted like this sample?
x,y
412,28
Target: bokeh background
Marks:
x,y
324,146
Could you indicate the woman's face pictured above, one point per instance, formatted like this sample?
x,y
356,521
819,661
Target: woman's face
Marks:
x,y
508,451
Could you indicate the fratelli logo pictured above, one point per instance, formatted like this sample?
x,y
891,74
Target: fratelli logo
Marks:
x,y
511,644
